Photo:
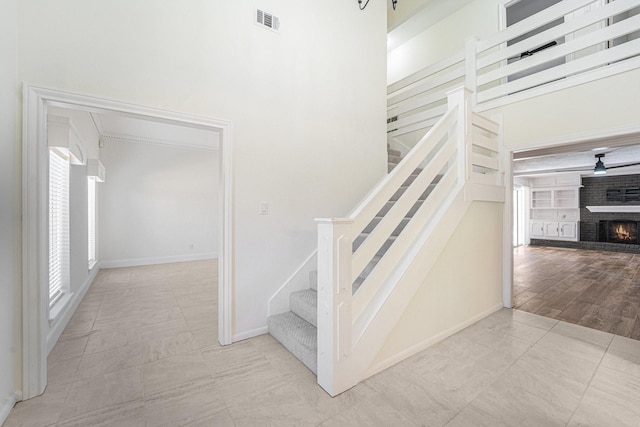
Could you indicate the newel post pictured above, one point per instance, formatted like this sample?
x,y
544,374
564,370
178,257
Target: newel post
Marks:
x,y
334,304
461,97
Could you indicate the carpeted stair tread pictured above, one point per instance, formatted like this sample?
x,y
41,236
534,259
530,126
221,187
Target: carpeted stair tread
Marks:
x,y
393,152
385,246
394,159
376,220
298,336
305,305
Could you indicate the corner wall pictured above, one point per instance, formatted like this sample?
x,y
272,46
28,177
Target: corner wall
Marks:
x,y
10,331
464,286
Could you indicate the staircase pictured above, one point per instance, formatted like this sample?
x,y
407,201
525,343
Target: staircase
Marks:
x,y
369,265
296,330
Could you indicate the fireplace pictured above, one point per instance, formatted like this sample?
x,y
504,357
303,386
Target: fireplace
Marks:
x,y
619,231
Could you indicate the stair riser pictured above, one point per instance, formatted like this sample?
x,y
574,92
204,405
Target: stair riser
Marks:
x,y
286,335
305,305
313,280
393,159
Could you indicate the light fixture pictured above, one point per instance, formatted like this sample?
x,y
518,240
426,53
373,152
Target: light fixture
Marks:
x,y
600,168
393,3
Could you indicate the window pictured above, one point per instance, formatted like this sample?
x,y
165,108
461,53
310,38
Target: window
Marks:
x,y
58,225
520,10
91,211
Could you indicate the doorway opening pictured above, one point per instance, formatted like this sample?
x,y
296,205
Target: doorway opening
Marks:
x,y
37,104
568,268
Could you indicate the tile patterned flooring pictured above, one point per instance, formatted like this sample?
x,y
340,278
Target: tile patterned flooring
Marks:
x,y
141,351
599,290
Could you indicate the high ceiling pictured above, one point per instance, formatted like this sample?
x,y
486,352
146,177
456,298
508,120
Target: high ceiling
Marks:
x,y
404,10
411,17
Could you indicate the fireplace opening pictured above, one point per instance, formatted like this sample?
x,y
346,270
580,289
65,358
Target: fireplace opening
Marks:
x,y
619,231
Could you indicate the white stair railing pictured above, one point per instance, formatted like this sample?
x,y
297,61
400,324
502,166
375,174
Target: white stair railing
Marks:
x,y
417,102
461,150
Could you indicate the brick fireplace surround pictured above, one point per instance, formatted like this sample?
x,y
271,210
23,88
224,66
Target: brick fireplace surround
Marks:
x,y
594,193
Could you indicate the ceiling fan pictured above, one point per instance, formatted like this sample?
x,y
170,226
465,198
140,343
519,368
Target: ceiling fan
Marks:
x,y
600,168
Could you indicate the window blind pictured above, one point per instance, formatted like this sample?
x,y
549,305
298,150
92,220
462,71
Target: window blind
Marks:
x,y
91,210
58,225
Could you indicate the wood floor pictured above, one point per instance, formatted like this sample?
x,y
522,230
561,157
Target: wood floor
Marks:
x,y
599,290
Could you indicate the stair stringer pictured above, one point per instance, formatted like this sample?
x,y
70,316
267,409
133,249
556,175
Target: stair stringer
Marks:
x,y
373,329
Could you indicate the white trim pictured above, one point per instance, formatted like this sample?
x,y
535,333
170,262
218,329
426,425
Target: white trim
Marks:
x,y
250,334
399,357
157,142
69,307
135,262
9,403
507,232
298,281
34,208
615,209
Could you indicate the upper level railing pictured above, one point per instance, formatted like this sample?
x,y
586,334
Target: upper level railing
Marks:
x,y
594,40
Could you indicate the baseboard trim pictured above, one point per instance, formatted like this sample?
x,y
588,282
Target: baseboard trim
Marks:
x,y
250,334
429,342
136,262
7,407
62,319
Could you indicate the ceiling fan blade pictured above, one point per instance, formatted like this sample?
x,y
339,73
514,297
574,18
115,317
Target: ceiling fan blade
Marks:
x,y
623,166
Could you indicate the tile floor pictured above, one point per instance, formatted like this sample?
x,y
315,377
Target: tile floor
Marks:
x,y
140,351
599,290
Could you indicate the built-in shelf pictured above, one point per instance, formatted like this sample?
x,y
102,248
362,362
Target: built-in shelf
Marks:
x,y
615,209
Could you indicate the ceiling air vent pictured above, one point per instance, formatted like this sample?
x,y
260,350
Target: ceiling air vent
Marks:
x,y
266,19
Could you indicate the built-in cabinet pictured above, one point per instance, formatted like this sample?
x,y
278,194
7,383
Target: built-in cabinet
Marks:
x,y
555,207
565,230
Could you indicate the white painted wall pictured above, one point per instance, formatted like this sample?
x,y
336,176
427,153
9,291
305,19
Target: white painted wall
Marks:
x,y
574,114
464,285
443,39
307,105
10,331
156,202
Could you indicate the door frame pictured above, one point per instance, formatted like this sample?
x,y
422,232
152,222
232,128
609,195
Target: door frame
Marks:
x,y
35,275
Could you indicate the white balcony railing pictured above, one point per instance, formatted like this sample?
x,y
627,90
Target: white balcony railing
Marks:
x,y
594,40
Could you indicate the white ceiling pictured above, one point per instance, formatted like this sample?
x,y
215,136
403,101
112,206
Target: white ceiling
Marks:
x,y
135,129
